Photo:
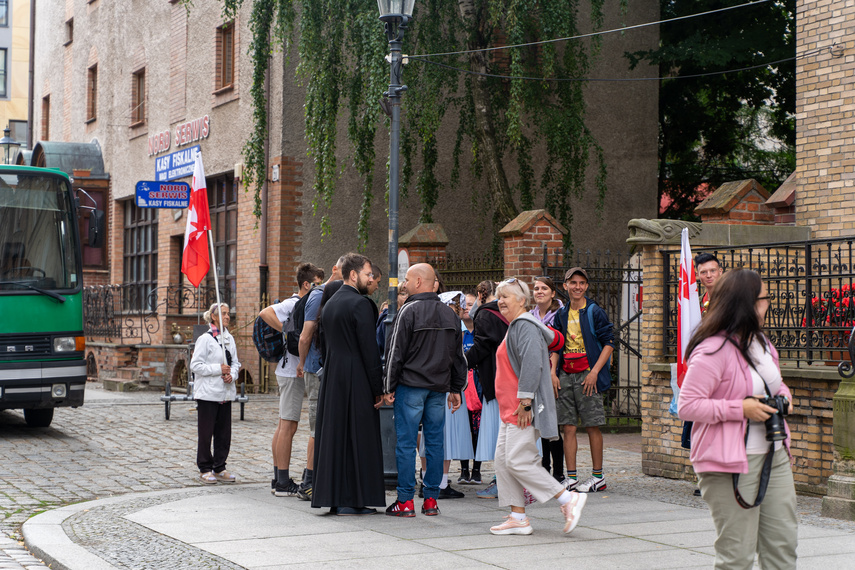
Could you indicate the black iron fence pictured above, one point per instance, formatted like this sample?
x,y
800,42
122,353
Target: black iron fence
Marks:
x,y
129,314
810,286
463,273
615,283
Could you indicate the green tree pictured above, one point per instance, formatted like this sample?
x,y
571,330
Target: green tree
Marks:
x,y
720,128
499,121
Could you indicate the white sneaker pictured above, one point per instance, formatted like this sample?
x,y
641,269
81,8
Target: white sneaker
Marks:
x,y
512,526
572,511
570,484
592,485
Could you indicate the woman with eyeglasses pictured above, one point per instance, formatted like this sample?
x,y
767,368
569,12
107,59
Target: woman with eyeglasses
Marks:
x,y
526,402
738,455
546,306
215,368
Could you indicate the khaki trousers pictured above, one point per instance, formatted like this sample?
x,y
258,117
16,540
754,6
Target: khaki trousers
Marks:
x,y
518,466
770,530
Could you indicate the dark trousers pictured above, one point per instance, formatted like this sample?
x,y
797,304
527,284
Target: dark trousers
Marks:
x,y
555,451
215,422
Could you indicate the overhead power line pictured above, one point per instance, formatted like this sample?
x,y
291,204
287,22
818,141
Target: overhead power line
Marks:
x,y
592,34
621,79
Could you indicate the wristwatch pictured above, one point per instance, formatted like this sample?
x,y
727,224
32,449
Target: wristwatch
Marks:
x,y
526,408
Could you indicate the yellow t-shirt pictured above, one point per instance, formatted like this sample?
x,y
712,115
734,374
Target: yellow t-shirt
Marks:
x,y
573,342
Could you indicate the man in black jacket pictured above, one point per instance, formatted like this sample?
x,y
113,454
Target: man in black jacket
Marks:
x,y
424,361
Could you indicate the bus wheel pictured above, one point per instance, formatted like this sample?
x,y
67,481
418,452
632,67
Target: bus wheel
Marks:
x,y
38,418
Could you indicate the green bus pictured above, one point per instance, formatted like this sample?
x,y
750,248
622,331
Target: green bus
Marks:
x,y
42,347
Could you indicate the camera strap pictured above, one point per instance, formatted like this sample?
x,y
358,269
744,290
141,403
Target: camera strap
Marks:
x,y
764,474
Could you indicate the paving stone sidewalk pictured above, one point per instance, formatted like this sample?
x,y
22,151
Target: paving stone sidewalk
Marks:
x,y
120,444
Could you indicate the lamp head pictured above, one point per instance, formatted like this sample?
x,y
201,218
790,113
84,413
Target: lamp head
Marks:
x,y
392,10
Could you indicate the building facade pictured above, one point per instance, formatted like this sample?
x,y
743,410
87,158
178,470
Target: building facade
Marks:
x,y
147,82
14,67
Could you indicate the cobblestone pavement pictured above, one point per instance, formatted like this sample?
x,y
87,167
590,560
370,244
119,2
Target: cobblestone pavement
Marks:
x,y
117,444
120,443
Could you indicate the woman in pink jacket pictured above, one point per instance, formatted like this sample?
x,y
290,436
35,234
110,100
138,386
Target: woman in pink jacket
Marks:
x,y
732,367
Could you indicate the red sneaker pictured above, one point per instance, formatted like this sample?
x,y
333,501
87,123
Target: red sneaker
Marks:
x,y
429,507
399,509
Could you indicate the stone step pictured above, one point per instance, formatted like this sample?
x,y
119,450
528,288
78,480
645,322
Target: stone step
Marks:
x,y
129,385
128,372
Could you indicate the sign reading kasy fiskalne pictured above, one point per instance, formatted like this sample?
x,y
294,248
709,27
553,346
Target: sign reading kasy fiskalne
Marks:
x,y
176,165
185,133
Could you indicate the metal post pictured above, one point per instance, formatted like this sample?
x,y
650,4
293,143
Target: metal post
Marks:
x,y
395,34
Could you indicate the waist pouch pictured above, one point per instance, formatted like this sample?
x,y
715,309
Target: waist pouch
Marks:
x,y
575,362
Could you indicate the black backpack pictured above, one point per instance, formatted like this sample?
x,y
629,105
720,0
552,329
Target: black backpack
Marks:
x,y
298,317
269,342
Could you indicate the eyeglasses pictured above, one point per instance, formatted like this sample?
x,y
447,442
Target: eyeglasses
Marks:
x,y
764,298
369,275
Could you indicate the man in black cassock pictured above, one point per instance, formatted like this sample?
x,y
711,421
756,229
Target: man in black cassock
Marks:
x,y
348,473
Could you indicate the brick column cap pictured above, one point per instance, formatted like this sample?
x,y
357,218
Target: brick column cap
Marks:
x,y
424,235
728,195
785,194
526,220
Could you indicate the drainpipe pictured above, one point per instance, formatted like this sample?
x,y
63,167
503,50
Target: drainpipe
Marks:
x,y
31,78
263,269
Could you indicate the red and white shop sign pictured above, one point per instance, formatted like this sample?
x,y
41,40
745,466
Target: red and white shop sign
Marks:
x,y
185,133
192,131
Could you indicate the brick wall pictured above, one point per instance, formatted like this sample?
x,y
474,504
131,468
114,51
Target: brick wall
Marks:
x,y
825,107
285,227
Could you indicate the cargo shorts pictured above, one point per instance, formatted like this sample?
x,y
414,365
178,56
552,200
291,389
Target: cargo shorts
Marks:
x,y
573,407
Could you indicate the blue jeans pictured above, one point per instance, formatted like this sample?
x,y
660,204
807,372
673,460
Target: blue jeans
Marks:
x,y
414,406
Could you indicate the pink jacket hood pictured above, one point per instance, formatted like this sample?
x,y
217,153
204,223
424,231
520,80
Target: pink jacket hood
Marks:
x,y
717,380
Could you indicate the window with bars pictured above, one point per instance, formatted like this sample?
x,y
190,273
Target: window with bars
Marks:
x,y
140,257
138,98
46,118
225,55
92,94
3,63
222,202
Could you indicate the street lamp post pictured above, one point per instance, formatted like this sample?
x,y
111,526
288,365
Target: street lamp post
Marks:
x,y
9,146
396,14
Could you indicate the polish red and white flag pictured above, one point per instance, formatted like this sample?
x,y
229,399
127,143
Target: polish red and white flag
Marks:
x,y
688,305
196,260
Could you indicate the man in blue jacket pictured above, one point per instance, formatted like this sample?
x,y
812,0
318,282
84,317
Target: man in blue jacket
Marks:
x,y
583,376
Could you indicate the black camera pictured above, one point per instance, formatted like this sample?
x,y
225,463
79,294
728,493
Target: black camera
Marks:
x,y
775,430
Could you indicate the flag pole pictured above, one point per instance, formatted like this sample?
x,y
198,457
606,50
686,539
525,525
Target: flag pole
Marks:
x,y
217,289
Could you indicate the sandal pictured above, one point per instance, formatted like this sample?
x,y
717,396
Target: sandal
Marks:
x,y
208,478
224,477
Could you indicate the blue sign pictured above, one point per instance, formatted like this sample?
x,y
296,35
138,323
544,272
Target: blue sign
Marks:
x,y
163,194
176,165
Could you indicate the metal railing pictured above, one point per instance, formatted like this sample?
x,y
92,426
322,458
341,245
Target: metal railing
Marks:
x,y
810,286
127,314
464,273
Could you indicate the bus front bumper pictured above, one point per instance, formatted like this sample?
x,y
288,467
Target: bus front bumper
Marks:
x,y
42,384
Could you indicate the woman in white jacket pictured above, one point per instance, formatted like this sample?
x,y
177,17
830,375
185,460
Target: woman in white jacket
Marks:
x,y
214,392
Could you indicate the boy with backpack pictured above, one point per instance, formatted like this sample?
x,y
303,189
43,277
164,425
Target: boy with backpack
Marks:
x,y
582,377
282,317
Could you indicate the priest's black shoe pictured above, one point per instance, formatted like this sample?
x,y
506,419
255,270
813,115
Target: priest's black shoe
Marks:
x,y
353,511
449,493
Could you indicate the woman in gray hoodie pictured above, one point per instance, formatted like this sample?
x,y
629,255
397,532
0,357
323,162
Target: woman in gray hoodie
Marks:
x,y
527,412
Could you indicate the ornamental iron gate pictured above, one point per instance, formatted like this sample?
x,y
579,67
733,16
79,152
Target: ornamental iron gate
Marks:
x,y
615,283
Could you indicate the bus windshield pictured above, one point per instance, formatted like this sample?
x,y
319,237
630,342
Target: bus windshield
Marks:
x,y
36,234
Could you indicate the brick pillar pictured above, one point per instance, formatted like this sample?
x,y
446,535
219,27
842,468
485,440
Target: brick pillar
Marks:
x,y
425,243
525,236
